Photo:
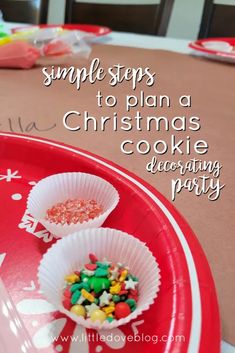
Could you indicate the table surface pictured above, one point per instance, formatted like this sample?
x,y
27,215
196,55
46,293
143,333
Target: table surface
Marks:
x,y
147,42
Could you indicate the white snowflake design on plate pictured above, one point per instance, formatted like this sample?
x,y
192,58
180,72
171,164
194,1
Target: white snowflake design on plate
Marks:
x,y
27,222
30,225
9,175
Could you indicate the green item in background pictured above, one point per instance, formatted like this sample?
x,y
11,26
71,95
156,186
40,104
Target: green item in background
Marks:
x,y
2,34
3,31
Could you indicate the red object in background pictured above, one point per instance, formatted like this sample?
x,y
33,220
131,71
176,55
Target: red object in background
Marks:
x,y
18,55
93,29
184,317
199,45
57,48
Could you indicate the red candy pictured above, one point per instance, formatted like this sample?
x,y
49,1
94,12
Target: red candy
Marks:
x,y
91,267
135,297
134,291
67,293
67,303
133,294
123,286
123,290
74,211
93,258
122,310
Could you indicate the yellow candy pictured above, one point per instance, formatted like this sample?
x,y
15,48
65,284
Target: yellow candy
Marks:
x,y
113,283
98,315
108,309
88,295
111,304
115,289
78,310
123,276
73,278
110,315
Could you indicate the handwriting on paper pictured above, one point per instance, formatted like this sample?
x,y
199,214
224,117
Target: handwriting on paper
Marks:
x,y
21,126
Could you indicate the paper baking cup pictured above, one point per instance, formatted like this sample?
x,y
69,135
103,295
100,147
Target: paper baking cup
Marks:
x,y
71,253
61,187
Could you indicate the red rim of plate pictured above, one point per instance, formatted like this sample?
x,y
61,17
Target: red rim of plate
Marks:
x,y
98,31
203,323
199,46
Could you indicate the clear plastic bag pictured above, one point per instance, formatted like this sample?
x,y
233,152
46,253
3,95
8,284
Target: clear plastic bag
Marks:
x,y
53,45
56,41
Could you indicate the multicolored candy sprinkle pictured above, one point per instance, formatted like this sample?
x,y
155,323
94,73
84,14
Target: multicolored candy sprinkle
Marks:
x,y
101,291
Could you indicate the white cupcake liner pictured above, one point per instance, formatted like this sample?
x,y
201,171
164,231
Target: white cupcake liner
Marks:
x,y
60,187
71,253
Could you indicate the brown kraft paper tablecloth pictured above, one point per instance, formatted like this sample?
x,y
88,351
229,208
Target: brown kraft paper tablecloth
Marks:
x,y
212,87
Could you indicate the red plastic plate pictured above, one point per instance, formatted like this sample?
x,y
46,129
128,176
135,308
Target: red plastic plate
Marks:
x,y
183,319
93,29
199,46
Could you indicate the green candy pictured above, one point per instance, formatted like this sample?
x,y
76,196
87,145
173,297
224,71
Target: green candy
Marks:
x,y
105,283
86,286
79,286
131,303
76,286
116,298
99,284
101,272
84,276
76,295
102,265
110,319
135,279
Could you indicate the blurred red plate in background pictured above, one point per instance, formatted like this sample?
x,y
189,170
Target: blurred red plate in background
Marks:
x,y
184,317
93,29
222,49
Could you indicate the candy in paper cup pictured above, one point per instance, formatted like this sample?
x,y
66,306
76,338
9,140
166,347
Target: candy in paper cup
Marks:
x,y
61,187
71,253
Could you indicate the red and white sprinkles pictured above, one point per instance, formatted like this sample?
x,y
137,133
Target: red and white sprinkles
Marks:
x,y
74,211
